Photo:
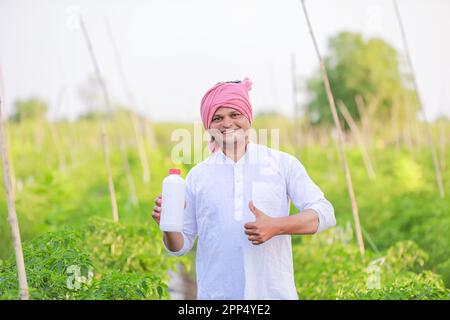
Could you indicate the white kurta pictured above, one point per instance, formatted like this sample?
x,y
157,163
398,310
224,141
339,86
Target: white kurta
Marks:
x,y
218,191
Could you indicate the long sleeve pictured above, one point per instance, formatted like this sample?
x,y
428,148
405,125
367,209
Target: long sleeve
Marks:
x,y
305,194
189,222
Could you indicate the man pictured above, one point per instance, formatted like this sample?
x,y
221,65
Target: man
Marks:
x,y
237,204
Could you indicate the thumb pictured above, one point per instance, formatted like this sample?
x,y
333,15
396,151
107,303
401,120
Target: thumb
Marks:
x,y
253,209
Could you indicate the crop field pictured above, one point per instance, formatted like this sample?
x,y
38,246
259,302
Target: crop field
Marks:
x,y
74,250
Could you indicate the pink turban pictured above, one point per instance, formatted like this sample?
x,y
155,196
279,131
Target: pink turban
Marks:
x,y
226,94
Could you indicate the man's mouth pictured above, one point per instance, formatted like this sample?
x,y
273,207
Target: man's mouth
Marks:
x,y
228,131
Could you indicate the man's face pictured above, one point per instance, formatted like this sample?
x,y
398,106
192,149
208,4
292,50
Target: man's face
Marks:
x,y
229,127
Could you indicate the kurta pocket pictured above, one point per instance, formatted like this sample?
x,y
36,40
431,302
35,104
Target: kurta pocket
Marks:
x,y
268,197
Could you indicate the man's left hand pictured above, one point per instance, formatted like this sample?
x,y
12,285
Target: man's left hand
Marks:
x,y
262,229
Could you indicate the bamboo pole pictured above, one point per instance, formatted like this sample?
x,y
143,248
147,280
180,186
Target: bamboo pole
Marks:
x,y
8,138
367,117
112,192
138,133
130,180
8,135
295,103
357,135
141,149
104,139
12,216
340,135
430,139
442,145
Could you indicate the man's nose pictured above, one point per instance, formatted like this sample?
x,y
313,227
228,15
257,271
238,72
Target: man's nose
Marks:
x,y
227,123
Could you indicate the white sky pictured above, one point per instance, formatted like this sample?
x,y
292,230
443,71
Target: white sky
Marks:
x,y
173,51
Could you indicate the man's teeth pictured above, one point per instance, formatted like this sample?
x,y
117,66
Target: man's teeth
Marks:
x,y
228,131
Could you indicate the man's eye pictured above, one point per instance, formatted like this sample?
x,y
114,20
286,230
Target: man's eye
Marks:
x,y
235,115
216,119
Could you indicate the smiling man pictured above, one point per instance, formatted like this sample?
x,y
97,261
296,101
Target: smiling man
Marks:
x,y
237,204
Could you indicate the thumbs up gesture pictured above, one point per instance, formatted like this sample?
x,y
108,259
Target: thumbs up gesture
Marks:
x,y
262,229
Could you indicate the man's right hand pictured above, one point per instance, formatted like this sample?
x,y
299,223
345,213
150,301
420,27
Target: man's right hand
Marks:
x,y
156,214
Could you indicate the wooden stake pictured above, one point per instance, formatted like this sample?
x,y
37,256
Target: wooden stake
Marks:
x,y
8,134
104,139
430,139
297,127
357,135
130,180
367,117
112,192
442,144
138,133
340,135
12,216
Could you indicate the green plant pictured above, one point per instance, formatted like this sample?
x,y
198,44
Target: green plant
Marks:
x,y
60,265
330,266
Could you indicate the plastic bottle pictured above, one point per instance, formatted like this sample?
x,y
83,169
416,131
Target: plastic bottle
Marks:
x,y
173,196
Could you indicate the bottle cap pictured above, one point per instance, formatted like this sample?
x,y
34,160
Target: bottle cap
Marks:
x,y
174,171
